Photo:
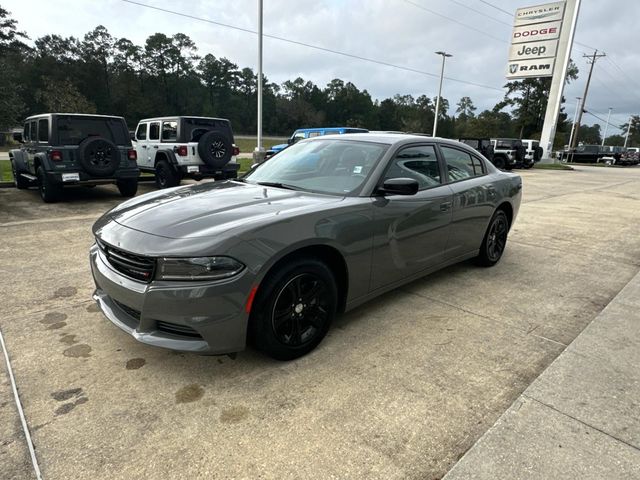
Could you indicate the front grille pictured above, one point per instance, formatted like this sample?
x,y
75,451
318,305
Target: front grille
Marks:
x,y
172,328
128,310
133,266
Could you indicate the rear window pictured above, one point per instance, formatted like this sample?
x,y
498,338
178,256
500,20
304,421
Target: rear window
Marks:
x,y
196,127
73,130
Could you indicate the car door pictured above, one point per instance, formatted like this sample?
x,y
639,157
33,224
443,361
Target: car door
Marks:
x,y
31,144
142,145
410,231
153,142
474,197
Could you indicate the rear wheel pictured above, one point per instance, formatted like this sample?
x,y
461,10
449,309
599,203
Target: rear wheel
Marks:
x,y
50,192
19,181
128,187
166,177
294,309
495,240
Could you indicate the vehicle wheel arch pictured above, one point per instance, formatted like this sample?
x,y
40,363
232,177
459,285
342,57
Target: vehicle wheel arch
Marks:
x,y
328,254
507,208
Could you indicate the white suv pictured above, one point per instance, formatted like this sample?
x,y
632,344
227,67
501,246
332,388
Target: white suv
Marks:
x,y
178,147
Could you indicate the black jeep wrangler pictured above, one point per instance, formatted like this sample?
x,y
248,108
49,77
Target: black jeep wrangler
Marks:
x,y
74,149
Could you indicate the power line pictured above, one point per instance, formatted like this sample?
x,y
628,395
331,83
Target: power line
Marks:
x,y
433,12
308,45
497,8
479,12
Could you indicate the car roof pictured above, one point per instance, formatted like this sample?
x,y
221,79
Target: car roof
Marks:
x,y
388,138
41,115
175,117
313,129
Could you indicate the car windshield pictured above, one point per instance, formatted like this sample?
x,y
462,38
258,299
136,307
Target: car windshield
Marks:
x,y
73,130
324,166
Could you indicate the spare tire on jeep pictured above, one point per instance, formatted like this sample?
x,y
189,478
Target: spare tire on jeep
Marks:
x,y
215,149
98,156
537,154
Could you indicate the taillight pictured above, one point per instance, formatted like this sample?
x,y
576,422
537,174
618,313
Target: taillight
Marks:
x,y
236,150
55,155
132,155
182,150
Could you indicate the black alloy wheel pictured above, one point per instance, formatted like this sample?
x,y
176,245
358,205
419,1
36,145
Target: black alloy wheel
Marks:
x,y
293,308
166,176
300,310
495,240
49,192
218,149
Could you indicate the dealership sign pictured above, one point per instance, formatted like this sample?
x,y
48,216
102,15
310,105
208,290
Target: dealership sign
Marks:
x,y
534,41
541,13
526,51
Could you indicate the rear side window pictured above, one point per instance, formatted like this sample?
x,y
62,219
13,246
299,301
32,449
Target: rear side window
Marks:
x,y
170,131
460,165
154,131
43,130
419,163
314,134
141,132
72,130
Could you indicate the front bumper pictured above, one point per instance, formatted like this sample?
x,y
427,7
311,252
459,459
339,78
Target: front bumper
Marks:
x,y
200,317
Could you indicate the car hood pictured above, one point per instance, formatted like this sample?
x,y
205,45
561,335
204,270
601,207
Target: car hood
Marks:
x,y
212,208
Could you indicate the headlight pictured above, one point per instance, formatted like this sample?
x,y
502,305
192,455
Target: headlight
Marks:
x,y
199,268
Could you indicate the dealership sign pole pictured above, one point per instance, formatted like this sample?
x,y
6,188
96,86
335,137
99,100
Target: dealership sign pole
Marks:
x,y
541,44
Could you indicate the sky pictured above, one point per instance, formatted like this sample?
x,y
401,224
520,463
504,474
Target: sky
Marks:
x,y
400,32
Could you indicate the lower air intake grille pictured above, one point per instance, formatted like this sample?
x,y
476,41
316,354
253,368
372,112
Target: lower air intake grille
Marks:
x,y
133,266
128,310
172,328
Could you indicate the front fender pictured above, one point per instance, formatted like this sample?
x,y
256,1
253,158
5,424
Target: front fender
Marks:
x,y
19,159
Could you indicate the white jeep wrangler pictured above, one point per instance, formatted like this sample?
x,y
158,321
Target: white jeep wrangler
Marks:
x,y
177,147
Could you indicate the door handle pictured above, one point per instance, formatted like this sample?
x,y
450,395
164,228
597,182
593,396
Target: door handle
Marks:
x,y
155,146
144,146
445,206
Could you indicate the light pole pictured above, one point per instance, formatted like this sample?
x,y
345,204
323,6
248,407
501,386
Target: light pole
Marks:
x,y
626,138
258,155
606,127
435,121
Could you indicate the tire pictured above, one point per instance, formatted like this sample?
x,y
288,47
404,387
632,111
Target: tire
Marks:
x,y
20,182
495,240
98,156
215,149
50,192
128,188
537,154
166,176
285,327
499,162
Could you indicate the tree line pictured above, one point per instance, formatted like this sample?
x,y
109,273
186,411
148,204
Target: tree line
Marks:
x,y
100,73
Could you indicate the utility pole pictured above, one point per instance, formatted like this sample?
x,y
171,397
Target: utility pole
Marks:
x,y
435,120
573,125
606,127
592,61
626,139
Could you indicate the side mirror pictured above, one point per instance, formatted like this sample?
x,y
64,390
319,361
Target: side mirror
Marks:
x,y
290,141
17,136
400,186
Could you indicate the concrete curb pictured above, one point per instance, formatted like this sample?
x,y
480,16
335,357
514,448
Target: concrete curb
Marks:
x,y
579,418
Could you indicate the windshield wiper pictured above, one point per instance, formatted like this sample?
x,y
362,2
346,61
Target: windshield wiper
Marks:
x,y
278,185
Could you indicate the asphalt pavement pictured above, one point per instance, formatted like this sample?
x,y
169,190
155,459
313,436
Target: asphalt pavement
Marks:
x,y
401,388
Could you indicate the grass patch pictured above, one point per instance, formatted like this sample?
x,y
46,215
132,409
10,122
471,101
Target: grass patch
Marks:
x,y
552,166
245,163
5,171
248,144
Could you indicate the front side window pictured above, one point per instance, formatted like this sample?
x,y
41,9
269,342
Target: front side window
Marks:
x,y
314,134
419,163
297,137
329,166
43,130
460,165
27,132
141,132
170,131
34,131
154,131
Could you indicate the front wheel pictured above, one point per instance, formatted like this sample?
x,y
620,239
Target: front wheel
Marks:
x,y
128,188
294,309
495,240
50,192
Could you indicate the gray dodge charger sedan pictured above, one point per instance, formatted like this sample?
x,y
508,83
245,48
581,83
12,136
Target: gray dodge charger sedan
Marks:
x,y
318,229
